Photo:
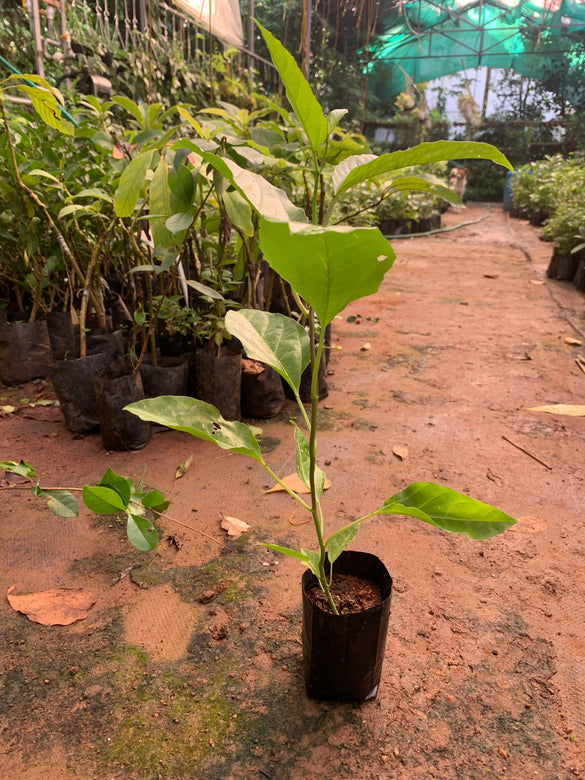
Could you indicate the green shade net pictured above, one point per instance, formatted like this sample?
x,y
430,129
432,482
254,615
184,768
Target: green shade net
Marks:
x,y
540,39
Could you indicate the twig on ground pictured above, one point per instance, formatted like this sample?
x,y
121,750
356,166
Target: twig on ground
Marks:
x,y
125,573
527,452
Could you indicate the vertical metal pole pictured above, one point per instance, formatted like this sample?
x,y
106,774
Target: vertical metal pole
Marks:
x,y
250,35
35,26
309,9
65,43
486,92
142,16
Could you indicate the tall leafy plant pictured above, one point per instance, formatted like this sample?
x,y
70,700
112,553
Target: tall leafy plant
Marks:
x,y
327,268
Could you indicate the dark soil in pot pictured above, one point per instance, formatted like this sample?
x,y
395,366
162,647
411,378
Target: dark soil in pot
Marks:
x,y
343,654
350,594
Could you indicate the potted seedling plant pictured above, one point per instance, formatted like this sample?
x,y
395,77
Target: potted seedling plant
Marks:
x,y
327,267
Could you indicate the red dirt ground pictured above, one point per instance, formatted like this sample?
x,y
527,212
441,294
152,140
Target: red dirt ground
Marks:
x,y
485,664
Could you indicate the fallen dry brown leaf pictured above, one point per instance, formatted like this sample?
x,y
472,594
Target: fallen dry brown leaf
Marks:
x,y
569,410
234,527
57,607
294,483
400,451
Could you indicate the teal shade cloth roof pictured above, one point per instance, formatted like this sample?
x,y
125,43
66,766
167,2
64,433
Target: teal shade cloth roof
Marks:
x,y
433,38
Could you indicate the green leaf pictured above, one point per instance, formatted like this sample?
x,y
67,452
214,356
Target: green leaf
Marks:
x,y
300,556
304,103
103,500
447,509
131,183
37,172
303,463
160,207
176,223
94,192
23,469
334,118
141,533
239,211
338,541
205,290
48,103
61,502
182,183
201,420
328,266
313,561
153,113
184,114
363,167
273,339
423,184
268,200
130,106
123,485
155,501
73,208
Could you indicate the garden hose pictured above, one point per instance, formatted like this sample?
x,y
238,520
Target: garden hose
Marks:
x,y
17,72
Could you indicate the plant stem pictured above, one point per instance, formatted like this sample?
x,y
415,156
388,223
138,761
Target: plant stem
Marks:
x,y
286,489
315,503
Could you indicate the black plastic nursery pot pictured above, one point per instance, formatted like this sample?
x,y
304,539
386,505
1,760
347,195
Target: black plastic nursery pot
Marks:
x,y
262,390
115,387
25,351
343,654
73,383
63,334
168,377
219,378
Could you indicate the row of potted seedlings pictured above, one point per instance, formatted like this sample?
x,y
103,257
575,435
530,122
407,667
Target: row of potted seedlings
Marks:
x,y
549,194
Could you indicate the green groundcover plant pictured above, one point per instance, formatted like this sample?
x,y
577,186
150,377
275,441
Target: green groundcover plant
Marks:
x,y
327,268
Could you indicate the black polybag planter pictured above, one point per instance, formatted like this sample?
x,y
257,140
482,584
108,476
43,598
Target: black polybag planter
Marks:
x,y
73,383
343,654
262,393
25,351
115,387
219,378
567,268
64,335
579,280
168,377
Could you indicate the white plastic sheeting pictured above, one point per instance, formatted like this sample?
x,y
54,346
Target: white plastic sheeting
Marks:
x,y
219,17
